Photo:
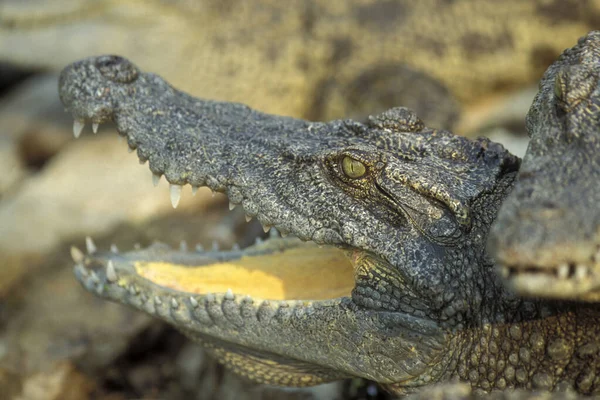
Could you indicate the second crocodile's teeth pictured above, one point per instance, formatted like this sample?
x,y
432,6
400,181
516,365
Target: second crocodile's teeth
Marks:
x,y
563,271
194,190
231,206
580,271
248,218
175,195
77,128
95,127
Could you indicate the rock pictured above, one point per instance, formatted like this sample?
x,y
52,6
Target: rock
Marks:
x,y
86,190
60,383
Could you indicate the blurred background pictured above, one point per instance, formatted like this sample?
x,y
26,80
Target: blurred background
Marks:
x,y
470,66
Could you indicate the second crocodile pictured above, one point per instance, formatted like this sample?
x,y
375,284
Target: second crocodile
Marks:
x,y
547,236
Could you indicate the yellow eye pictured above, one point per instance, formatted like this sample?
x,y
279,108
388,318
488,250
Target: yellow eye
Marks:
x,y
353,168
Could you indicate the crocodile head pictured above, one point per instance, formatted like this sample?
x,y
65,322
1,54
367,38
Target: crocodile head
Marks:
x,y
390,220
547,235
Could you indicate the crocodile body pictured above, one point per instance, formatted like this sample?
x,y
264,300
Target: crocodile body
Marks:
x,y
314,59
546,245
402,211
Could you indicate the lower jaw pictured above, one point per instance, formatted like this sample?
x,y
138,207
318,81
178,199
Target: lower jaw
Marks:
x,y
283,273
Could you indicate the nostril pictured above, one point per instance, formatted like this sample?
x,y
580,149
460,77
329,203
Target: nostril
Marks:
x,y
548,204
117,69
523,175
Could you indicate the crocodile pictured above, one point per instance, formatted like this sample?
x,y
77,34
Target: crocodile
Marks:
x,y
386,277
316,59
544,244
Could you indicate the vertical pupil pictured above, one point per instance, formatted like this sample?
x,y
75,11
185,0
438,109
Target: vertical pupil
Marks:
x,y
353,168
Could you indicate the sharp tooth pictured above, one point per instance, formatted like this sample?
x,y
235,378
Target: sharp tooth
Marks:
x,y
114,249
183,246
174,303
563,271
77,255
175,195
90,245
157,300
95,127
129,149
77,128
231,206
283,234
194,190
132,290
194,302
199,248
273,234
94,277
580,271
266,228
155,179
210,297
111,273
229,294
212,193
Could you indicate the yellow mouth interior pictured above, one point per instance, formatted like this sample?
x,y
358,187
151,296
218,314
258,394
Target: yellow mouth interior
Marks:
x,y
303,273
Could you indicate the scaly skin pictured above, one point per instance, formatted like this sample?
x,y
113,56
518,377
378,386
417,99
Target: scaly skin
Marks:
x,y
314,59
411,208
547,236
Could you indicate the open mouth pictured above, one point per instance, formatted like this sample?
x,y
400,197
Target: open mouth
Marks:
x,y
577,280
279,272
